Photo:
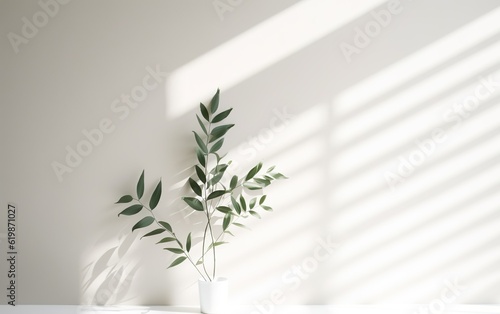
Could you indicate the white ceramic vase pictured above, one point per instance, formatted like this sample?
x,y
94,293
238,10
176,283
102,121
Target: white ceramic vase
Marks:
x,y
213,295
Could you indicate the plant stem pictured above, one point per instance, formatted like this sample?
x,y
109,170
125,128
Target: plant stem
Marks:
x,y
213,243
204,252
206,189
173,235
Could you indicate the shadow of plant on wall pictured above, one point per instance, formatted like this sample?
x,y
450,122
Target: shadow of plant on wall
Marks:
x,y
108,280
215,194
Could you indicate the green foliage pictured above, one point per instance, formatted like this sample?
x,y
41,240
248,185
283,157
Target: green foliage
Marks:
x,y
177,261
221,116
204,111
216,146
223,198
144,222
155,198
165,240
194,203
140,186
216,194
188,242
214,103
195,187
154,232
175,250
131,210
125,199
166,225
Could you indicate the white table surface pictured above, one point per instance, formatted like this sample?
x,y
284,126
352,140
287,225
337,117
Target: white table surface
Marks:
x,y
295,309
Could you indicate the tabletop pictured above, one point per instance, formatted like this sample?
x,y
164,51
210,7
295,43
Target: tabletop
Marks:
x,y
249,309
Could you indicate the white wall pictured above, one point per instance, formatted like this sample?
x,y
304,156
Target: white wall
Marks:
x,y
349,124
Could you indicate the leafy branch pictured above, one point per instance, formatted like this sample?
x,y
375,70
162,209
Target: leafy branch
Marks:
x,y
216,194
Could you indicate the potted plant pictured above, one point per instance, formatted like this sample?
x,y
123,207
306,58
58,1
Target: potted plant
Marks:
x,y
224,201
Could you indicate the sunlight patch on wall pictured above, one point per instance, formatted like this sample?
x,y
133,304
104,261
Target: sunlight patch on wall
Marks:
x,y
256,49
418,94
287,234
442,218
422,61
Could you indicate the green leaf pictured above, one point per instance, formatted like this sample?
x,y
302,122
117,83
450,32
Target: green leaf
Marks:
x,y
194,203
278,176
253,171
219,131
269,178
203,128
262,199
236,206
252,186
177,261
200,143
144,222
165,240
214,103
234,181
154,232
269,209
237,224
216,194
226,222
204,111
131,210
270,169
188,242
229,232
179,243
243,203
216,179
217,146
199,262
219,168
155,197
262,182
140,186
221,116
219,157
224,209
125,199
201,174
253,201
254,213
201,157
216,244
195,187
175,250
166,225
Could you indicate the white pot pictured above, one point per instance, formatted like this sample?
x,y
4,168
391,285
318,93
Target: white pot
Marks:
x,y
213,295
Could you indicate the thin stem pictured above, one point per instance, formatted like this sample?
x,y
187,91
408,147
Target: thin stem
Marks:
x,y
175,237
204,252
213,243
222,233
207,208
